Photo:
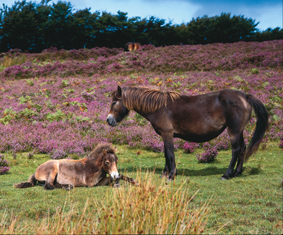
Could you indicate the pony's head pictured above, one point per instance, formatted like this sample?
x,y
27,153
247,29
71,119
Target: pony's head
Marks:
x,y
109,164
129,46
105,154
117,109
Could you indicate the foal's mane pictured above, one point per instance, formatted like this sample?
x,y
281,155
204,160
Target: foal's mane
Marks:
x,y
100,148
147,100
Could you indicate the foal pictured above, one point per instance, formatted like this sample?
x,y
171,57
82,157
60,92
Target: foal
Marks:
x,y
68,173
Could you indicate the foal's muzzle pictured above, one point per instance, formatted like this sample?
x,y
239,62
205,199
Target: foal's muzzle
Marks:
x,y
114,175
111,120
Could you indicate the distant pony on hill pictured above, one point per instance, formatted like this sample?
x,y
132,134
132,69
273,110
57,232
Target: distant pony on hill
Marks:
x,y
133,46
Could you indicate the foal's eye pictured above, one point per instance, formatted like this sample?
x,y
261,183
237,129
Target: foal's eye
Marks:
x,y
115,102
107,163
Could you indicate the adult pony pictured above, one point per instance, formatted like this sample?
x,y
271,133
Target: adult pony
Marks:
x,y
194,118
133,46
67,173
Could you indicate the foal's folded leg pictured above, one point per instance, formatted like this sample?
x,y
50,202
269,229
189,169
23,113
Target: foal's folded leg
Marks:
x,y
49,186
64,186
49,183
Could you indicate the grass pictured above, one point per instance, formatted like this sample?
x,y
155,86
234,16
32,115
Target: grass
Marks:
x,y
8,61
197,201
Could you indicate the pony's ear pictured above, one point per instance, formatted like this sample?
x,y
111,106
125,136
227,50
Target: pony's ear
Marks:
x,y
119,92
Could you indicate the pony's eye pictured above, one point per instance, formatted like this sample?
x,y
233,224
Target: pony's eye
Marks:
x,y
107,163
115,102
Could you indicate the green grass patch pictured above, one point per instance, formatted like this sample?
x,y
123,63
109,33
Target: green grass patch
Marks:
x,y
251,203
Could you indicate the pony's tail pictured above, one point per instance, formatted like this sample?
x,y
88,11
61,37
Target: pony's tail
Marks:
x,y
261,125
30,183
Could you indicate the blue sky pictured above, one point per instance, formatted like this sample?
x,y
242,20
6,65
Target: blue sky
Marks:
x,y
267,12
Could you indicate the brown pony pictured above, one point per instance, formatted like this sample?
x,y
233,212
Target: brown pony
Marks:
x,y
194,118
67,173
133,46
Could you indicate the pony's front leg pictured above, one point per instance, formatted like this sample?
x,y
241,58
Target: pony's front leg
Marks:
x,y
64,186
166,170
107,181
170,166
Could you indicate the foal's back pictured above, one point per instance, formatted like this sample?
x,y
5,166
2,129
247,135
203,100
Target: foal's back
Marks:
x,y
64,170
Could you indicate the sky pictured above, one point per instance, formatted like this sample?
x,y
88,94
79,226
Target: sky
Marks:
x,y
267,12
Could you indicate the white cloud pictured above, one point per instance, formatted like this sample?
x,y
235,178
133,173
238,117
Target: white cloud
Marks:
x,y
269,14
270,17
178,11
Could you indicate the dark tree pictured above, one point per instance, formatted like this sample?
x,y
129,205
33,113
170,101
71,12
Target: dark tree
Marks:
x,y
19,26
269,34
35,27
223,28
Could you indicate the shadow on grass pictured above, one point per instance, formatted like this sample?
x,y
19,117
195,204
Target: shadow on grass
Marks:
x,y
185,172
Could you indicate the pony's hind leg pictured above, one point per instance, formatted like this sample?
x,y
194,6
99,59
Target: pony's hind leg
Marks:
x,y
239,167
236,142
51,180
49,186
30,183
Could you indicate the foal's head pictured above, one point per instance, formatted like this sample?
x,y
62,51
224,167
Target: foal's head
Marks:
x,y
117,110
105,154
109,164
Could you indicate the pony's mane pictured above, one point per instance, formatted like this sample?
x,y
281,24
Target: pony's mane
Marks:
x,y
147,100
100,148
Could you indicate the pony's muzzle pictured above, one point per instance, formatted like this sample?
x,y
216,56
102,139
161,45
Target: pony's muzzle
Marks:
x,y
114,175
111,120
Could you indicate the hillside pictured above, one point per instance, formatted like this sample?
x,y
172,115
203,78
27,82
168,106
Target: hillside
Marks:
x,y
59,100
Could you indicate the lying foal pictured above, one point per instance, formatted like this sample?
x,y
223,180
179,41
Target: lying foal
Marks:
x,y
68,173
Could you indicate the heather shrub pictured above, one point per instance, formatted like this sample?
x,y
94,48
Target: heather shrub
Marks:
x,y
58,154
281,144
209,155
222,144
4,166
189,147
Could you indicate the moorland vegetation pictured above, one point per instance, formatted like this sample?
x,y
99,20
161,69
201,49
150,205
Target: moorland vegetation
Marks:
x,y
55,104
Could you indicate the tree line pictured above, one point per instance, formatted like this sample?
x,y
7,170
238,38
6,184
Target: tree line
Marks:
x,y
34,27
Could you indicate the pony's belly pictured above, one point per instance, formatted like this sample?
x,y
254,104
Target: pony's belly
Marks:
x,y
198,137
67,179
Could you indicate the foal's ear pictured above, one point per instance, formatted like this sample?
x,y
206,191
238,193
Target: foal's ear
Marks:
x,y
119,92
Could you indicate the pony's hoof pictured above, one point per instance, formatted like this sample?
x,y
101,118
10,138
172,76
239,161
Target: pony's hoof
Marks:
x,y
224,177
68,187
170,179
238,174
116,186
